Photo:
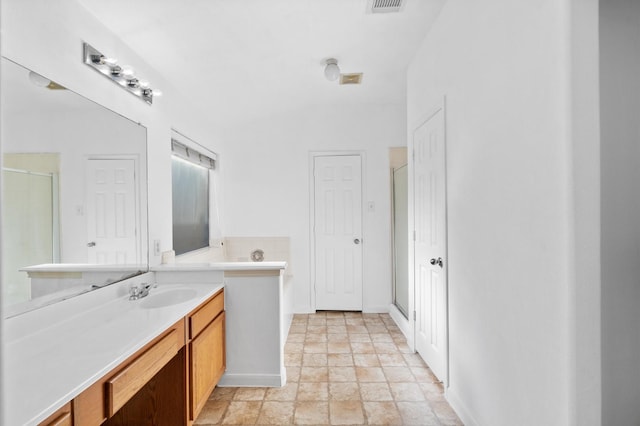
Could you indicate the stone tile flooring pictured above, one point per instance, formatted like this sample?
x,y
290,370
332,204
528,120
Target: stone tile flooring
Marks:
x,y
343,368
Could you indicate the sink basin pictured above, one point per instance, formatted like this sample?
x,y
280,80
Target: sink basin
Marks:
x,y
168,297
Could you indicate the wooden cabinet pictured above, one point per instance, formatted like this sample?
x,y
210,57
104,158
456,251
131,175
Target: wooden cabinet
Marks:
x,y
135,387
207,355
89,406
205,313
126,383
167,382
62,417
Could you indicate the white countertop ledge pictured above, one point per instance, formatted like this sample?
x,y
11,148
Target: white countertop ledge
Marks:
x,y
54,362
222,266
84,267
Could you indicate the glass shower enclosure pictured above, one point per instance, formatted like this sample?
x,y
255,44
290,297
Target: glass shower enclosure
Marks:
x,y
400,240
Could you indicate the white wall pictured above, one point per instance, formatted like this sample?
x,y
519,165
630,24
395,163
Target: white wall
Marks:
x,y
620,121
583,110
266,191
504,67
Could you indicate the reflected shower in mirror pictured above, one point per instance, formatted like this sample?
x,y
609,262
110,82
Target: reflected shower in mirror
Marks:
x,y
74,192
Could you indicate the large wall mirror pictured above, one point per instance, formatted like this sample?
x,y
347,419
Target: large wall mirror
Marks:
x,y
74,210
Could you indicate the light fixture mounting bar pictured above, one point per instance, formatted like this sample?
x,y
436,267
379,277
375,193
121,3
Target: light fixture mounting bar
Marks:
x,y
109,68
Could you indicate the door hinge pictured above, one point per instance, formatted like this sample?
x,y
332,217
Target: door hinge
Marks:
x,y
414,315
414,235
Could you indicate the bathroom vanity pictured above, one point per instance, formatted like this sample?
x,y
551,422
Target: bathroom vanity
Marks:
x,y
114,359
103,359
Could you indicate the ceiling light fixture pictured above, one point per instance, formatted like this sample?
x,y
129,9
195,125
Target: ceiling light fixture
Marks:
x,y
123,76
331,69
41,81
38,80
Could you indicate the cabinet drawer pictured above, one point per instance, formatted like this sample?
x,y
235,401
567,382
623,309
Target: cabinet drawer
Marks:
x,y
203,316
125,384
89,406
61,420
62,417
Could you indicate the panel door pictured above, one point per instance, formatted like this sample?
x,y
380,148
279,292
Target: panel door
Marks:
x,y
338,232
431,243
111,211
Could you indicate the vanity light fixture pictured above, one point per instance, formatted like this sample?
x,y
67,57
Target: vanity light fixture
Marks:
x,y
122,75
332,73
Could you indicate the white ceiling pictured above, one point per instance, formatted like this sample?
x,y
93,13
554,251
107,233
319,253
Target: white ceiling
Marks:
x,y
247,58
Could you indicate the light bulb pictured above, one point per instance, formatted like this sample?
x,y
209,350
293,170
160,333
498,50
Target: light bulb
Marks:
x,y
116,71
127,72
332,70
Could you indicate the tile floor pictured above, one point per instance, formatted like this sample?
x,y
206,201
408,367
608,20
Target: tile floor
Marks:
x,y
343,368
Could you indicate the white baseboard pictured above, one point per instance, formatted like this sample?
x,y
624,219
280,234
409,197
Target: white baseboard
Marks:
x,y
375,309
252,380
366,310
303,310
459,407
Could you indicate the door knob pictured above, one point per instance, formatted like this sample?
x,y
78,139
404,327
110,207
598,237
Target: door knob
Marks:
x,y
438,262
356,241
91,244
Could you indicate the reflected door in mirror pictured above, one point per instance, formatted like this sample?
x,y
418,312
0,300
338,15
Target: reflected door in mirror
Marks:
x,y
111,211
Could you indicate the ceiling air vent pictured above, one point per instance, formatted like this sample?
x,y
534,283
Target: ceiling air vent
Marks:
x,y
354,78
385,6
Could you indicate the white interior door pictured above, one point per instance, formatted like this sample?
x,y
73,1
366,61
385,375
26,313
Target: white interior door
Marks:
x,y
111,211
338,232
431,243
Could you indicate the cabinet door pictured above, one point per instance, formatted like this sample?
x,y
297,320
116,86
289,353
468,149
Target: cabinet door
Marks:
x,y
62,417
208,362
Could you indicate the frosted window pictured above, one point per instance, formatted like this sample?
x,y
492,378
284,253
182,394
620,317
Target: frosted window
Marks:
x,y
190,190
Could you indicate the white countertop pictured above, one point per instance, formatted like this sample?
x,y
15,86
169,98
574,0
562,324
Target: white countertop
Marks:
x,y
49,362
84,267
222,266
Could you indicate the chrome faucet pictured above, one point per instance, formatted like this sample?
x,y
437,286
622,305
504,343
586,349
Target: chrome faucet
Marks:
x,y
136,292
